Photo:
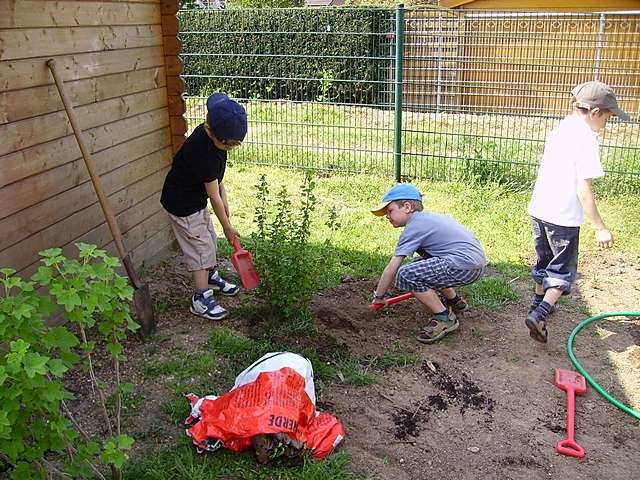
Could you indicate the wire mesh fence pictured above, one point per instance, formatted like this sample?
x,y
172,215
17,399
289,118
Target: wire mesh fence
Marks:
x,y
476,93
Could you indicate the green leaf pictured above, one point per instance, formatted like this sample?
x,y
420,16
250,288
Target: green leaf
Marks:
x,y
23,310
125,442
115,349
57,367
3,375
43,275
7,271
35,364
61,338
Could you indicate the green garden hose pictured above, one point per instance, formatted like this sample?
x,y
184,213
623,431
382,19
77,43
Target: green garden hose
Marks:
x,y
584,373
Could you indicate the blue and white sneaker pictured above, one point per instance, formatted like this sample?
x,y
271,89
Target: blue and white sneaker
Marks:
x,y
218,284
205,306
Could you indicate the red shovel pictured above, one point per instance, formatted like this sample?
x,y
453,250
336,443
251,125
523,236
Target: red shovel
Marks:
x,y
390,301
574,384
243,263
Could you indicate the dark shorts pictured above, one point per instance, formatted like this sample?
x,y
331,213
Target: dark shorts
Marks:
x,y
557,250
426,273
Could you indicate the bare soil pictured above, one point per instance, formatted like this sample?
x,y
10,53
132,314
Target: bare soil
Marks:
x,y
479,404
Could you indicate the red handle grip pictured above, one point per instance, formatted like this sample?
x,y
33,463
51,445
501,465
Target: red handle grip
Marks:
x,y
235,243
390,301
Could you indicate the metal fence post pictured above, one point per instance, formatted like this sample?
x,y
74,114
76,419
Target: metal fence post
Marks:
x,y
397,149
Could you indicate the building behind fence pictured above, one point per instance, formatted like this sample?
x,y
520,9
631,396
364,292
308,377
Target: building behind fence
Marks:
x,y
479,89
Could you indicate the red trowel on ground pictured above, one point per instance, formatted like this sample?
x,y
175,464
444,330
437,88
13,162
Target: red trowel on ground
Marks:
x,y
574,384
243,263
390,301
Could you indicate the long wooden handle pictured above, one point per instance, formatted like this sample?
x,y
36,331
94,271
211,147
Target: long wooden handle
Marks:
x,y
95,179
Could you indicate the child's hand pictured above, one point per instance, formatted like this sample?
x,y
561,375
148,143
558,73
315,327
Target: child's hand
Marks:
x,y
231,233
604,238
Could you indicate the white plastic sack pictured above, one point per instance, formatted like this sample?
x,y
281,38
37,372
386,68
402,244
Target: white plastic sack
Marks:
x,y
274,361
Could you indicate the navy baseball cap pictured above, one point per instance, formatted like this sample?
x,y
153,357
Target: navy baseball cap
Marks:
x,y
227,118
401,191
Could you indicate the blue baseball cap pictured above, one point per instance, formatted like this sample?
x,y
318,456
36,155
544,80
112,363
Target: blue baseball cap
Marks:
x,y
401,191
227,118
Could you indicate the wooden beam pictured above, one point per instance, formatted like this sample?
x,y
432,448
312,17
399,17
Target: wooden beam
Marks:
x,y
19,74
39,13
40,216
44,185
39,42
31,102
32,131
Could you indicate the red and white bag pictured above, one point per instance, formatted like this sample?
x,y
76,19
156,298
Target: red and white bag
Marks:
x,y
274,395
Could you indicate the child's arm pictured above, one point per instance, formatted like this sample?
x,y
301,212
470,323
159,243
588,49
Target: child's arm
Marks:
x,y
387,278
213,190
225,202
604,238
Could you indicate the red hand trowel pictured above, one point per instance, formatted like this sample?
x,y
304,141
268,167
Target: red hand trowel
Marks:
x,y
390,301
574,384
243,263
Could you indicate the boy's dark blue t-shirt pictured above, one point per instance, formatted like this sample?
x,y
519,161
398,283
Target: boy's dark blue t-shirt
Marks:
x,y
197,162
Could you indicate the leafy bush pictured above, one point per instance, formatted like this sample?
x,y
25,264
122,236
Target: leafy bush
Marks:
x,y
308,53
38,434
289,268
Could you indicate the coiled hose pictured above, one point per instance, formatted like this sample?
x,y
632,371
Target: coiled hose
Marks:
x,y
635,414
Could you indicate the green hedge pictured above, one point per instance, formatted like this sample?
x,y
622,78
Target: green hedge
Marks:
x,y
264,53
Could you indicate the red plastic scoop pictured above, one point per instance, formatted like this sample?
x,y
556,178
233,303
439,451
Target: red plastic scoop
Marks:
x,y
574,384
243,263
390,301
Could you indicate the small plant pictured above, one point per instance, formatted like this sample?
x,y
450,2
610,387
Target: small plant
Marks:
x,y
290,269
39,436
325,86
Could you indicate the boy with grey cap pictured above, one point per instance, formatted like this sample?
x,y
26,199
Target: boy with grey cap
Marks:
x,y
449,255
563,194
196,176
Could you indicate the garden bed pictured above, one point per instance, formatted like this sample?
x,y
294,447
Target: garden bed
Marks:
x,y
479,404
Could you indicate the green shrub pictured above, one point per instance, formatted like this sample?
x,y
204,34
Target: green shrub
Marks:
x,y
38,436
307,54
290,269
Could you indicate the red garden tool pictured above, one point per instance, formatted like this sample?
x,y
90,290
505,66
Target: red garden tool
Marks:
x,y
243,263
574,384
390,301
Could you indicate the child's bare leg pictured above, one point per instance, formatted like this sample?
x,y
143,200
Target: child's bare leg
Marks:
x,y
200,279
430,300
552,295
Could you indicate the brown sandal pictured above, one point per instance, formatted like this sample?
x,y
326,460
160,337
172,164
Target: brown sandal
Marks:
x,y
437,329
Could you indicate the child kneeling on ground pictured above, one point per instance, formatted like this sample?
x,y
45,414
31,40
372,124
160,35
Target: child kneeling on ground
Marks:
x,y
449,256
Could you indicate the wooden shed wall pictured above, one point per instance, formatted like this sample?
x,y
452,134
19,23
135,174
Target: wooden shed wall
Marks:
x,y
112,58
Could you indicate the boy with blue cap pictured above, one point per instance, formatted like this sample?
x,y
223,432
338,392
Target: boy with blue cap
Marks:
x,y
449,256
195,177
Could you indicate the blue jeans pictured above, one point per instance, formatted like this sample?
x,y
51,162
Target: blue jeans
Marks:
x,y
557,250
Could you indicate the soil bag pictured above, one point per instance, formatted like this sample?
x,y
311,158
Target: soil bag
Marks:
x,y
273,397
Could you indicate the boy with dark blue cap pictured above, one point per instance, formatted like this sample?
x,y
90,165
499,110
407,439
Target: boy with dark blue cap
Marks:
x,y
196,176
449,256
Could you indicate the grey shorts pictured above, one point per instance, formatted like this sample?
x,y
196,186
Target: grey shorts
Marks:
x,y
197,239
426,273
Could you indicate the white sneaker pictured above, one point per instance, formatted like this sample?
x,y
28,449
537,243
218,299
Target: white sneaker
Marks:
x,y
204,305
218,284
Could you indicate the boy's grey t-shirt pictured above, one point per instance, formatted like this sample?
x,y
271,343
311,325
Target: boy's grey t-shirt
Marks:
x,y
436,235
